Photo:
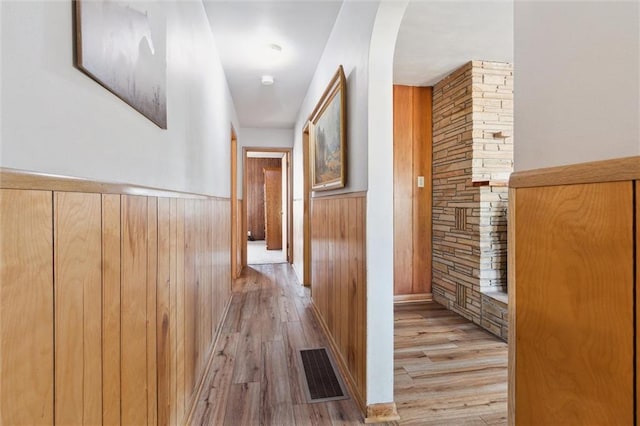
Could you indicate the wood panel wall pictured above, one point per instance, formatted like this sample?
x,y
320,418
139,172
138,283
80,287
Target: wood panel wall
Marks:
x,y
122,331
255,193
339,280
574,271
412,145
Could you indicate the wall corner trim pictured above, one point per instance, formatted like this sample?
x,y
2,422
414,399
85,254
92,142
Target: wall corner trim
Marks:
x,y
382,412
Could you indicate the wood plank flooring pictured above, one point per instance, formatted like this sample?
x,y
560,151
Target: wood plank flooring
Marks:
x,y
447,370
254,378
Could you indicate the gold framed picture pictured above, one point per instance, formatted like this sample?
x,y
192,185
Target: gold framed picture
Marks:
x,y
328,136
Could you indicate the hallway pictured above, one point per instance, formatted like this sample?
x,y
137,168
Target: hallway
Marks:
x,y
454,374
254,377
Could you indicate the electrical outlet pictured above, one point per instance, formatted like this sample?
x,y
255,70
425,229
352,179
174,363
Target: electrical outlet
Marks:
x,y
420,181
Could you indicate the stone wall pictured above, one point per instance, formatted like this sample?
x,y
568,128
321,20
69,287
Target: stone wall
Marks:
x,y
472,160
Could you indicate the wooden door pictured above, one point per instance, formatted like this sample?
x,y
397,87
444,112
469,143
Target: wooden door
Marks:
x,y
273,208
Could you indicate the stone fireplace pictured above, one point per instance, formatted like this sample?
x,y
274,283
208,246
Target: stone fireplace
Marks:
x,y
472,161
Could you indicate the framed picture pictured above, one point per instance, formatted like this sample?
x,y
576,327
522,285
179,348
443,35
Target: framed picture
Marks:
x,y
122,46
328,136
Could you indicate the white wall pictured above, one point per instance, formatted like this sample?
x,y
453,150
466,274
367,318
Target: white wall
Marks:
x,y
577,82
379,234
348,45
56,119
264,138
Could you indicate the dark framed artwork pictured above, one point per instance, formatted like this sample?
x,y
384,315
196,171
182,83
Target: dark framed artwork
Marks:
x,y
328,136
122,46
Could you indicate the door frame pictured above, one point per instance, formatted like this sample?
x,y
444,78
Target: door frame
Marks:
x,y
306,206
236,268
288,154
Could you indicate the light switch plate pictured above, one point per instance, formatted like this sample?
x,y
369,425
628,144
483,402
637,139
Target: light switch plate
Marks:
x,y
420,181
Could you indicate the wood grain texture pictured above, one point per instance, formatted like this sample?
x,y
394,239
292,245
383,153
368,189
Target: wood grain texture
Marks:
x,y
111,235
26,307
422,197
339,287
78,306
512,289
616,170
151,308
254,193
412,145
403,189
138,302
134,311
166,250
447,371
571,365
273,208
272,395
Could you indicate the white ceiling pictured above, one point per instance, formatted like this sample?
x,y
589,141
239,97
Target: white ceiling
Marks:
x,y
436,37
243,28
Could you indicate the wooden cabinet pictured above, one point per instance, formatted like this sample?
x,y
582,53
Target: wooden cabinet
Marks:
x,y
573,239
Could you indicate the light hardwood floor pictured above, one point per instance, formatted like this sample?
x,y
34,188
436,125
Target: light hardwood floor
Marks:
x,y
447,370
254,378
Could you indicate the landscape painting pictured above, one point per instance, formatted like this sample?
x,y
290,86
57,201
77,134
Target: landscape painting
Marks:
x,y
328,163
122,45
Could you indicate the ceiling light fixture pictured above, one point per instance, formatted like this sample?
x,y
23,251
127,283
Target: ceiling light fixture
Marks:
x,y
267,80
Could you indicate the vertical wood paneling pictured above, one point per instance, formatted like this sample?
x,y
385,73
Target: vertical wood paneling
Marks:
x,y
422,197
173,313
189,298
180,316
164,311
339,288
141,286
152,279
111,237
412,145
26,307
403,189
255,193
78,305
574,277
134,310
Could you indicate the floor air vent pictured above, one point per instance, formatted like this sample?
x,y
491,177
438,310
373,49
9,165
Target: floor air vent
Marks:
x,y
323,384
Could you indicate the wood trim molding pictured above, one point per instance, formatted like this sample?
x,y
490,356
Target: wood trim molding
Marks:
x,y
359,194
619,169
22,179
405,299
511,307
342,365
491,183
379,413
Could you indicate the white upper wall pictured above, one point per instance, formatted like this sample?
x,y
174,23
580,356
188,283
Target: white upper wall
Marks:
x,y
56,119
260,138
348,45
576,82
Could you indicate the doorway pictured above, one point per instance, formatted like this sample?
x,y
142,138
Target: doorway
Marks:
x,y
267,205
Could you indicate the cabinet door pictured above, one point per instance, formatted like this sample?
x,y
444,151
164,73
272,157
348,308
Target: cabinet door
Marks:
x,y
574,298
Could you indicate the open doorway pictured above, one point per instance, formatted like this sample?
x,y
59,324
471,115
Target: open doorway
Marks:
x,y
267,208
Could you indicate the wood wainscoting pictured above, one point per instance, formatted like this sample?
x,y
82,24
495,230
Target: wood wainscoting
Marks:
x,y
338,286
110,302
